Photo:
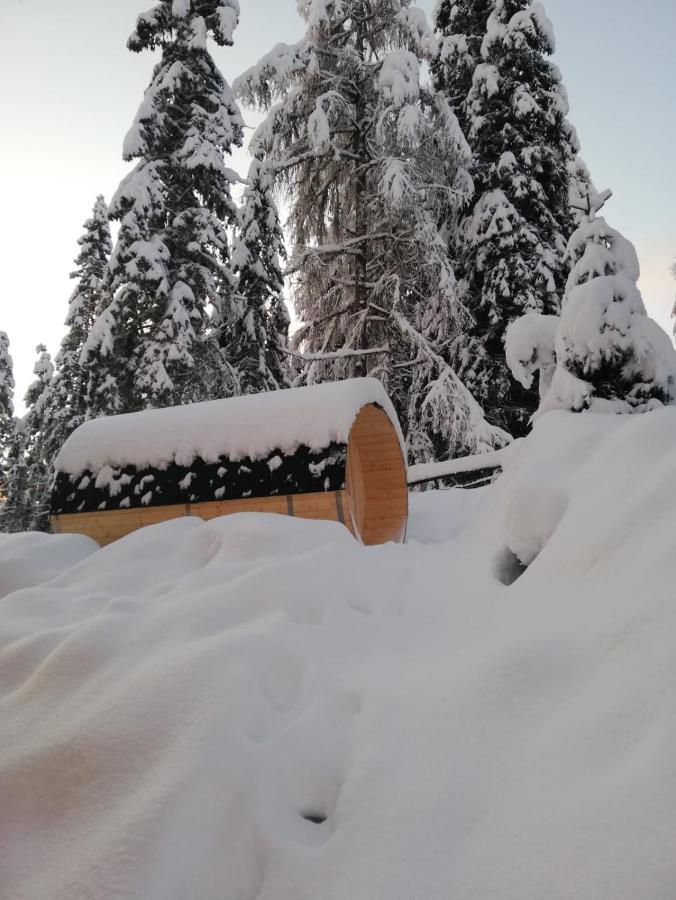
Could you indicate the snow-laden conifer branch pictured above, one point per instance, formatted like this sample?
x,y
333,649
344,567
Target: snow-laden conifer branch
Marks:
x,y
373,164
335,355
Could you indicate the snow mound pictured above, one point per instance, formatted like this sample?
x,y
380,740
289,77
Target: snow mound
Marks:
x,y
543,476
259,706
240,427
34,558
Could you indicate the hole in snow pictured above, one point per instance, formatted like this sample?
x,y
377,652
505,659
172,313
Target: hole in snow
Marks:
x,y
316,818
508,567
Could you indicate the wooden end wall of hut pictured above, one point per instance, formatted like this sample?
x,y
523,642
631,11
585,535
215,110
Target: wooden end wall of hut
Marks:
x,y
377,488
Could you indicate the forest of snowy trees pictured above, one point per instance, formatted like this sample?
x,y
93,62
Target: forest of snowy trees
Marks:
x,y
440,233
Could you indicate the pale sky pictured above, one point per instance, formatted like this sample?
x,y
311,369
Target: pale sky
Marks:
x,y
69,90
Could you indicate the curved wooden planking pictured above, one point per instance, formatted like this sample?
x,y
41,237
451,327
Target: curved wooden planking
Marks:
x,y
376,478
111,525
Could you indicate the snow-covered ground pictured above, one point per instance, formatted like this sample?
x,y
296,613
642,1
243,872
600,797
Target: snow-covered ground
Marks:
x,y
177,708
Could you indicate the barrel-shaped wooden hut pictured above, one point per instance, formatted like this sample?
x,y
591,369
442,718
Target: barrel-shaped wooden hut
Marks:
x,y
330,451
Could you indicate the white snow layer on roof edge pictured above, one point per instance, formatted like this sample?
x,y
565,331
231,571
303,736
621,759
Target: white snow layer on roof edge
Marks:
x,y
239,427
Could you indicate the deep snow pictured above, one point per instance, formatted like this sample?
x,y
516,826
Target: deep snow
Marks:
x,y
173,706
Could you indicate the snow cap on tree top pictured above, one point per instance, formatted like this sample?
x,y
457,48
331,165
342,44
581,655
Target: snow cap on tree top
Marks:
x,y
526,27
318,13
215,18
6,377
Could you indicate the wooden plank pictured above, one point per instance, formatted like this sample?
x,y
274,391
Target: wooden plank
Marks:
x,y
323,506
107,526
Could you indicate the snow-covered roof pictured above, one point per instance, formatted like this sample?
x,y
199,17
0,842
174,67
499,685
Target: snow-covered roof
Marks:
x,y
238,428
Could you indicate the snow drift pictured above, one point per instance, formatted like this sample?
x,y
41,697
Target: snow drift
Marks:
x,y
259,707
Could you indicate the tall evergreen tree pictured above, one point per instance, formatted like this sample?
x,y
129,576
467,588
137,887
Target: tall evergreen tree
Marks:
x,y
6,381
28,469
69,387
373,165
16,509
255,337
672,269
152,344
610,355
6,411
512,243
56,400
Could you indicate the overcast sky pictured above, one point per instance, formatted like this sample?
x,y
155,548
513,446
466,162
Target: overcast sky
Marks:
x,y
69,90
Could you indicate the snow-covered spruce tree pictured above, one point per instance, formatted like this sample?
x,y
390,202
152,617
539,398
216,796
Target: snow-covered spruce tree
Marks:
x,y
374,167
610,355
28,469
152,344
6,411
56,400
460,26
673,312
256,335
69,386
6,382
512,243
15,508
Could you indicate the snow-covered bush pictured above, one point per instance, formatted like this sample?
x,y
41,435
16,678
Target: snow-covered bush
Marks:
x,y
610,354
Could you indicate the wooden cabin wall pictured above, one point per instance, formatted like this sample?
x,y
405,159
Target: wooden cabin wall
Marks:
x,y
106,527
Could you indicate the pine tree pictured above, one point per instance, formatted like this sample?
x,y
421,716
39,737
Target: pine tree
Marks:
x,y
16,509
6,381
610,354
512,243
672,269
28,469
461,28
6,412
255,337
153,344
372,163
69,387
57,399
